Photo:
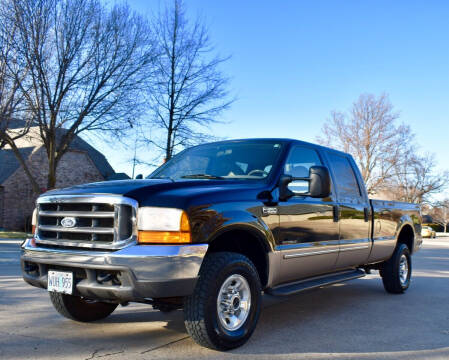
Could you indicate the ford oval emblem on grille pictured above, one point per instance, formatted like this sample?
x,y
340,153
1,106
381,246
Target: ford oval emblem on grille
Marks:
x,y
68,222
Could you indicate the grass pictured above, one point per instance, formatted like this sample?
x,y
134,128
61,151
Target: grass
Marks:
x,y
13,235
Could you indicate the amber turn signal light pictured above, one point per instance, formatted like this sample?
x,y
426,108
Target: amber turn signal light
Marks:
x,y
182,236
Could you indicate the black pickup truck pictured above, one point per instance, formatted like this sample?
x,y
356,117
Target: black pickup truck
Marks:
x,y
214,228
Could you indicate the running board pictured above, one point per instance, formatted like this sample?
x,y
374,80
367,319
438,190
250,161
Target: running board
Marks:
x,y
298,286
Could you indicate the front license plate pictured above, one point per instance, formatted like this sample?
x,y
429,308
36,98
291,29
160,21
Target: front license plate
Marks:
x,y
60,281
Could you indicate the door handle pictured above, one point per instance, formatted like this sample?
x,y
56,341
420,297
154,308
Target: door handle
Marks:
x,y
336,213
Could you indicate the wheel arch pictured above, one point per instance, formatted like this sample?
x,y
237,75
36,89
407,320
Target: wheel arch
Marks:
x,y
406,235
248,241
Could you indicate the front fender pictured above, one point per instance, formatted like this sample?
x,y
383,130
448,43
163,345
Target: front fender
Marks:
x,y
209,222
246,222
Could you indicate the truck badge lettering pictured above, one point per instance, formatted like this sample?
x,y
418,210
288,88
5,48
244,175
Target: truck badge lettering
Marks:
x,y
269,210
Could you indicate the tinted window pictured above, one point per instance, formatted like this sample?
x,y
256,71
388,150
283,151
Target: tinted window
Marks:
x,y
300,160
346,182
243,160
298,164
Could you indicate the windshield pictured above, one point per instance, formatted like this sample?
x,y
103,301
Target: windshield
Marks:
x,y
225,160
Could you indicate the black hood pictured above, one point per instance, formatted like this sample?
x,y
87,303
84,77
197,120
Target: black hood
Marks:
x,y
118,187
165,192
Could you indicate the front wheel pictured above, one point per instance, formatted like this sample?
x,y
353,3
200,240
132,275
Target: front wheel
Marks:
x,y
80,309
224,308
396,272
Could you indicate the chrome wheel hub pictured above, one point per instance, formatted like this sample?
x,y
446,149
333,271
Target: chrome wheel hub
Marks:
x,y
403,270
234,302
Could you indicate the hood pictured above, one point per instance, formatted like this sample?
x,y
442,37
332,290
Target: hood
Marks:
x,y
117,187
164,192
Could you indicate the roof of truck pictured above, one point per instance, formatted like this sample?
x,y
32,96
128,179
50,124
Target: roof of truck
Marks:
x,y
283,140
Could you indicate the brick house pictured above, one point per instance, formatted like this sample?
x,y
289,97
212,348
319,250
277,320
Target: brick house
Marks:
x,y
81,164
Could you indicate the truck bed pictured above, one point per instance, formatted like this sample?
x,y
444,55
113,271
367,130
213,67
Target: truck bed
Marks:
x,y
388,218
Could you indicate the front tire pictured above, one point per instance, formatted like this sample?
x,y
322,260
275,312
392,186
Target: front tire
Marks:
x,y
79,309
224,308
397,271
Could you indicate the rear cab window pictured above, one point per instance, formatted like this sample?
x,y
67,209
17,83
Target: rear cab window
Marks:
x,y
346,183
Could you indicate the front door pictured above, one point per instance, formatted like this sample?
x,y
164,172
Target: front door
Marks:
x,y
308,232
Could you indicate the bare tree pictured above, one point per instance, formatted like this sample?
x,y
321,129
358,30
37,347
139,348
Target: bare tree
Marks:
x,y
369,132
86,64
13,89
12,74
440,213
189,91
416,180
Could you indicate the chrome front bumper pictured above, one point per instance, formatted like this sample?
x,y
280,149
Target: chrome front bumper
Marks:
x,y
134,273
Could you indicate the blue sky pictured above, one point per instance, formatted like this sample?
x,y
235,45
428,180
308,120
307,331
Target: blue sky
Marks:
x,y
295,61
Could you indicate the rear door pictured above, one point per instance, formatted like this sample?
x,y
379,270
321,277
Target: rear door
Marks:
x,y
354,212
308,236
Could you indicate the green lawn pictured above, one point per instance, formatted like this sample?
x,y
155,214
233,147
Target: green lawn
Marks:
x,y
13,235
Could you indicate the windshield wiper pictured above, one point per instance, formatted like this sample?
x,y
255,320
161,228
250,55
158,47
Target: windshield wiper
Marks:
x,y
202,176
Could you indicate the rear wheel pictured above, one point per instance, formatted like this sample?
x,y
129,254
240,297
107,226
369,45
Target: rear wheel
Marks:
x,y
80,309
396,272
223,311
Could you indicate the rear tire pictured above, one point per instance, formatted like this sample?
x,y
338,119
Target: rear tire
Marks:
x,y
397,271
78,309
224,308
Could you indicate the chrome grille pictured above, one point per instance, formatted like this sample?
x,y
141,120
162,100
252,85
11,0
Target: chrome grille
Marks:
x,y
97,221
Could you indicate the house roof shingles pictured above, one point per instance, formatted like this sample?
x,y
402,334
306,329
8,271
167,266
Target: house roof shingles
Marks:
x,y
9,163
97,157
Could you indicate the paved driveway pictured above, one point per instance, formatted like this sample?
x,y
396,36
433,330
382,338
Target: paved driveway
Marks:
x,y
355,320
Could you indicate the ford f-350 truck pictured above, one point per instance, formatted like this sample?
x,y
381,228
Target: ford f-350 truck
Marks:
x,y
212,229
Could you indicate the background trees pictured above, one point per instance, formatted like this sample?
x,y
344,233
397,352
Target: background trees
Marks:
x,y
416,179
370,133
385,151
84,64
188,90
13,73
440,213
14,87
75,66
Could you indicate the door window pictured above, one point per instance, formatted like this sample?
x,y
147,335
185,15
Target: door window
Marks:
x,y
298,164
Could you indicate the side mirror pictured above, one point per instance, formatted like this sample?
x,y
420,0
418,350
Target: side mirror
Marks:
x,y
139,177
319,184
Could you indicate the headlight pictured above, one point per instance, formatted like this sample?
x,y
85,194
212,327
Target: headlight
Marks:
x,y
159,225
